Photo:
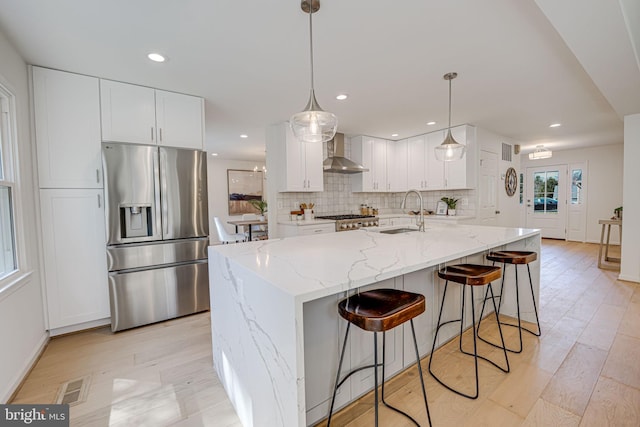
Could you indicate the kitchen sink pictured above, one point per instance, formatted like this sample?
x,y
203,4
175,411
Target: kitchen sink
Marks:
x,y
398,230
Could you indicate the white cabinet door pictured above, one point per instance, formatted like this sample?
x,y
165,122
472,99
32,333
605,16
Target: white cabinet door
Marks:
x,y
379,165
75,261
303,161
416,167
372,154
67,125
294,171
435,167
362,153
314,174
397,159
180,120
128,112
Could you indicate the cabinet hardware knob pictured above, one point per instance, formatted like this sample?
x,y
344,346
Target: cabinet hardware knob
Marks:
x,y
152,133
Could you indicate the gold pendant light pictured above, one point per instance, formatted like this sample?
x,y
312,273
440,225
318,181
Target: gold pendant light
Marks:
x,y
313,124
450,149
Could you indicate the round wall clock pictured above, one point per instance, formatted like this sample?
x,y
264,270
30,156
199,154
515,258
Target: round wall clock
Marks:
x,y
511,182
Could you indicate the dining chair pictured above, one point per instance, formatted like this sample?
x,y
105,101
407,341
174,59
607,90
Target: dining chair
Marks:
x,y
226,237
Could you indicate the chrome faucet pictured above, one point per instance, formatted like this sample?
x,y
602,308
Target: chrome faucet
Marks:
x,y
404,202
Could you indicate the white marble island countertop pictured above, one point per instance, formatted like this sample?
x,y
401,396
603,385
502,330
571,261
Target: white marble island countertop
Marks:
x,y
310,267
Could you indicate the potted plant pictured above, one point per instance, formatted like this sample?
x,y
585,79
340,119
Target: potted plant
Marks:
x,y
618,212
260,205
451,205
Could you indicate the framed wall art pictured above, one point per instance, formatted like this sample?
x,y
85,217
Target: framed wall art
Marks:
x,y
244,185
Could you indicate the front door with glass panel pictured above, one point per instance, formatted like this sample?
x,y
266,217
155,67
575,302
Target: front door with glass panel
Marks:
x,y
546,200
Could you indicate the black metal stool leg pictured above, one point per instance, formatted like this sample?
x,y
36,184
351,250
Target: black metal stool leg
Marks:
x,y
424,391
337,384
535,307
484,301
519,325
375,373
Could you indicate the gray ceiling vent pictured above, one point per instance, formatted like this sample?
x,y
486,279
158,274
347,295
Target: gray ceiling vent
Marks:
x,y
506,152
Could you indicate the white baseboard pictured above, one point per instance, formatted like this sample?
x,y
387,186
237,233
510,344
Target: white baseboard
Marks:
x,y
628,278
30,362
80,326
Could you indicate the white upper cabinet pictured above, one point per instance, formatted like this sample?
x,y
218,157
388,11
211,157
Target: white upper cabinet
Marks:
x,y
302,169
372,154
428,173
143,115
179,119
67,127
397,158
434,167
128,113
416,163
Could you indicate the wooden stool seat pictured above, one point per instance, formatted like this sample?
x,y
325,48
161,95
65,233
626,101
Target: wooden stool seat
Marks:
x,y
381,309
513,257
376,311
470,274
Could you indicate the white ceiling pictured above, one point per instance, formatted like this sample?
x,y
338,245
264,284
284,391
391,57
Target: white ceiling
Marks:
x,y
518,73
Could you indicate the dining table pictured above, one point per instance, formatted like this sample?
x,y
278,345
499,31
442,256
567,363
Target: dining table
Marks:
x,y
247,224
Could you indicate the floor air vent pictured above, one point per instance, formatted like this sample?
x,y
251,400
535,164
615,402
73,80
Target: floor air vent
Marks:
x,y
74,391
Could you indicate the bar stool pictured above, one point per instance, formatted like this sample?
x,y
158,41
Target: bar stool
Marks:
x,y
468,275
379,311
515,258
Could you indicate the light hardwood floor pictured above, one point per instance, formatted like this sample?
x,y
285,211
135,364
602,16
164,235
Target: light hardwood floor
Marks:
x,y
583,371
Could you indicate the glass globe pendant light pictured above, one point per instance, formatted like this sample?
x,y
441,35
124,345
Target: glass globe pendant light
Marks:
x,y
313,124
450,149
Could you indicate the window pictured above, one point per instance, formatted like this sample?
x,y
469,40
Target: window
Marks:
x,y
576,187
8,262
545,191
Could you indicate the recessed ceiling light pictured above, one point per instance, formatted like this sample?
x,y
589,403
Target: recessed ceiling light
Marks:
x,y
555,125
342,97
244,136
431,123
214,154
394,134
156,57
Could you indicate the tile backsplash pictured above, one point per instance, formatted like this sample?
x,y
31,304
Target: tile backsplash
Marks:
x,y
337,198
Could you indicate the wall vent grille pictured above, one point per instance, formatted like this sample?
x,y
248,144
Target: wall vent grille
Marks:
x,y
506,152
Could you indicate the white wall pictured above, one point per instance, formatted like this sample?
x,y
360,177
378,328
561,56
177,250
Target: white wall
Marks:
x,y
509,207
630,266
218,191
604,182
22,325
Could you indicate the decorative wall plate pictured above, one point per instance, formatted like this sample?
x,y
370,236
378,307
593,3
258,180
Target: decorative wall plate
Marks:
x,y
511,182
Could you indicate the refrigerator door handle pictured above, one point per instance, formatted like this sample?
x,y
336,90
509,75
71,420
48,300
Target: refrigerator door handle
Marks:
x,y
164,198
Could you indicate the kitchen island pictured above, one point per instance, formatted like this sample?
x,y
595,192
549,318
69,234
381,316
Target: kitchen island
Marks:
x,y
274,320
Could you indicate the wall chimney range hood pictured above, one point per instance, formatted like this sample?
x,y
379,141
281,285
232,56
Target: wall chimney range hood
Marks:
x,y
336,162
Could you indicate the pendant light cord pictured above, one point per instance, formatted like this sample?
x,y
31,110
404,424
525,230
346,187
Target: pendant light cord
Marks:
x,y
450,105
311,41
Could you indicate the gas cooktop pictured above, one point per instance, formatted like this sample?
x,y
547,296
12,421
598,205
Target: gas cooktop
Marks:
x,y
341,217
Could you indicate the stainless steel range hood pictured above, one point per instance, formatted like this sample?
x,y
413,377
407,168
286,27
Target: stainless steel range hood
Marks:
x,y
336,162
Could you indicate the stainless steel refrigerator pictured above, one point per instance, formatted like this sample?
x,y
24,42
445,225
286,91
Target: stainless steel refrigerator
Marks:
x,y
157,233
